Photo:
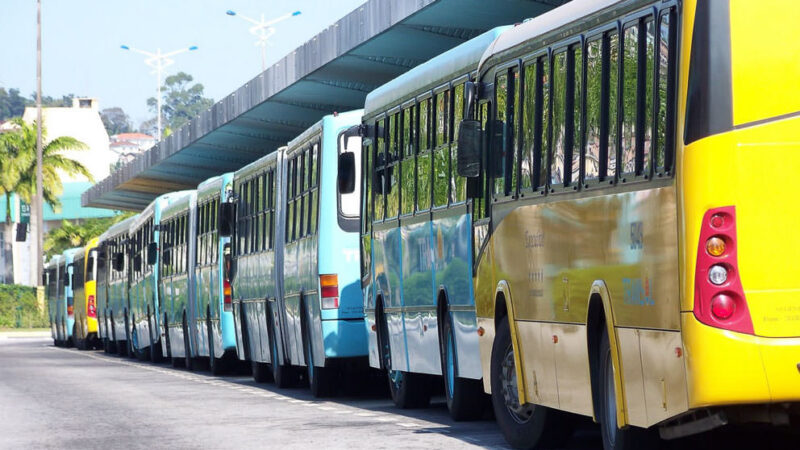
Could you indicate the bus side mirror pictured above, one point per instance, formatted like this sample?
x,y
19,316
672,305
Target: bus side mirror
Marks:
x,y
227,217
347,173
137,263
152,253
468,162
166,252
118,263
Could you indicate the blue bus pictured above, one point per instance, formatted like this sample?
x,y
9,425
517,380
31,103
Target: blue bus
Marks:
x,y
416,234
142,324
56,301
68,321
296,300
212,290
112,286
176,282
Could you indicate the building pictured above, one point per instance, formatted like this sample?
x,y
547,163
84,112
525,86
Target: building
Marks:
x,y
127,145
81,121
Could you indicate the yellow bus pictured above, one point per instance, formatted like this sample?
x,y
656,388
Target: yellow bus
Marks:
x,y
632,223
85,297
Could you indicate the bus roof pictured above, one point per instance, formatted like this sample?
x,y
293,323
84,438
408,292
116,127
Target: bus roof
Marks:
x,y
118,228
149,212
455,62
177,203
348,118
541,25
212,186
255,166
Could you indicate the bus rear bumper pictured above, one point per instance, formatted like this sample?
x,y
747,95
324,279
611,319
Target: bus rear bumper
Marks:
x,y
728,368
343,338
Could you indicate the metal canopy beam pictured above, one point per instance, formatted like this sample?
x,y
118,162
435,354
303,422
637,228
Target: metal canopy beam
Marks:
x,y
332,72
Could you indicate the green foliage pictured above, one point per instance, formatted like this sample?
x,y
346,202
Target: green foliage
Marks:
x,y
18,164
70,234
115,120
181,103
11,104
18,308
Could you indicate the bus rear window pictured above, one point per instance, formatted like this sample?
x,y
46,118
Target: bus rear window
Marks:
x,y
349,204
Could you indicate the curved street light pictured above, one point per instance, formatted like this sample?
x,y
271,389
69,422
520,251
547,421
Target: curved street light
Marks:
x,y
263,29
158,61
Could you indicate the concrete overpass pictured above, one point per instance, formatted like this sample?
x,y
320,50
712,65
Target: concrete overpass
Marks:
x,y
334,71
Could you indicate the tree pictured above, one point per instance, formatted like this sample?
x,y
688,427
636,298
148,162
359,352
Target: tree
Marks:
x,y
49,102
181,102
11,104
115,120
71,234
18,165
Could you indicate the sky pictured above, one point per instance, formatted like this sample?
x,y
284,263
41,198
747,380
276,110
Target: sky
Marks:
x,y
81,41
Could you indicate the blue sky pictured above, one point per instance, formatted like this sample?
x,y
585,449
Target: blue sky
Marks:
x,y
81,44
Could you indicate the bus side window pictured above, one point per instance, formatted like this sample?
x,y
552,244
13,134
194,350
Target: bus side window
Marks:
x,y
594,79
666,88
408,167
499,156
441,162
542,126
379,184
458,184
575,83
611,66
392,190
559,137
424,157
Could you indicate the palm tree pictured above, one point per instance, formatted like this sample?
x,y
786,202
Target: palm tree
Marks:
x,y
18,165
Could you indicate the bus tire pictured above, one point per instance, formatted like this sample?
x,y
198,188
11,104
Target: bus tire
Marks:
x,y
613,437
408,389
528,425
188,360
282,374
128,341
320,379
156,352
215,365
262,372
465,397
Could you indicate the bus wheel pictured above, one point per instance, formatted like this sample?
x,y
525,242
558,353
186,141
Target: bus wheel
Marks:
x,y
282,374
523,426
320,379
409,390
188,360
261,372
465,397
156,352
615,438
215,365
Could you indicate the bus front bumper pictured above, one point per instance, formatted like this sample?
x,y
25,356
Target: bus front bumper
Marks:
x,y
727,368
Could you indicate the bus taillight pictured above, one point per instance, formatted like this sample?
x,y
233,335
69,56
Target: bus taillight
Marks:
x,y
227,306
70,310
91,307
719,299
329,285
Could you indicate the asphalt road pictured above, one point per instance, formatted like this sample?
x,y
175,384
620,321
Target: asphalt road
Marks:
x,y
63,398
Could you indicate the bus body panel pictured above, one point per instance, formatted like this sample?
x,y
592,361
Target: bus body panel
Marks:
x,y
210,277
337,332
177,236
257,275
143,313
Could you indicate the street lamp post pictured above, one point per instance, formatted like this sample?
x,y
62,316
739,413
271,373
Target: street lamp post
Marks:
x,y
158,61
263,29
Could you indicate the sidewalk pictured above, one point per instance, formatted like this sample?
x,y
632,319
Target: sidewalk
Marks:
x,y
24,334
